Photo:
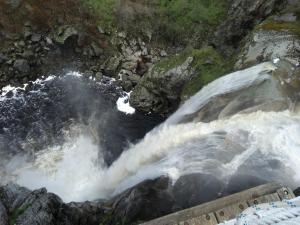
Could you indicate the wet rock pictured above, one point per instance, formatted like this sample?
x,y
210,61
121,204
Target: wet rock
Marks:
x,y
267,95
267,45
3,215
22,65
194,189
158,90
112,65
26,207
36,38
297,192
3,58
241,182
147,200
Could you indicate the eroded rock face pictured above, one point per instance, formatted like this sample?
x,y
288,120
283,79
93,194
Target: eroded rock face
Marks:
x,y
24,207
242,17
159,90
265,45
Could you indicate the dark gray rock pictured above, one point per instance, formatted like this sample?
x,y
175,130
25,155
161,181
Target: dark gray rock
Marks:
x,y
241,182
3,58
267,45
242,17
14,3
147,200
3,215
21,65
97,51
194,189
36,38
159,89
37,207
297,191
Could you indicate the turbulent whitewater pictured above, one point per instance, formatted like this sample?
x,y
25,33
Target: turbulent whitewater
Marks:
x,y
262,144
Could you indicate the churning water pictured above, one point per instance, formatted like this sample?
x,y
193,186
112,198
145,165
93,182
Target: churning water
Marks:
x,y
262,144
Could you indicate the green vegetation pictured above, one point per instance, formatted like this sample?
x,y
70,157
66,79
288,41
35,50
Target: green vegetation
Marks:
x,y
105,9
169,20
179,19
16,213
209,65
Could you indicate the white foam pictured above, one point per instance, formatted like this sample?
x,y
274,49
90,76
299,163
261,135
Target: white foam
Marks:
x,y
123,104
249,140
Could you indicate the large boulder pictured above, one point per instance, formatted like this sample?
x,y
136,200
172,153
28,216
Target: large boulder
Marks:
x,y
159,90
193,189
265,45
145,201
21,206
275,38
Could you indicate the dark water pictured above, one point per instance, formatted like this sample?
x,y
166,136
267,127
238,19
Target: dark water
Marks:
x,y
38,116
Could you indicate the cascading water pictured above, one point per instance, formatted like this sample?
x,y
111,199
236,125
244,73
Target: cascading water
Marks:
x,y
262,144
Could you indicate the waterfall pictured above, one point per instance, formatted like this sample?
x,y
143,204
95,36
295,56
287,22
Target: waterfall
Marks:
x,y
263,144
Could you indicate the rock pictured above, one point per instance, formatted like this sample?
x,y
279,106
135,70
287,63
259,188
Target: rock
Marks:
x,y
297,192
99,76
26,207
241,182
129,65
287,17
147,200
141,67
159,89
194,189
163,53
242,17
22,65
36,38
112,65
3,58
97,51
267,45
122,35
65,32
134,78
14,3
49,41
3,215
100,30
268,94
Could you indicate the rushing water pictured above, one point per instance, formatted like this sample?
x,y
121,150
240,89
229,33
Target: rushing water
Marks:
x,y
261,144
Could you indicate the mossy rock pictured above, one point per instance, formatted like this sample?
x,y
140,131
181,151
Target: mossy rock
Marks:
x,y
16,213
208,65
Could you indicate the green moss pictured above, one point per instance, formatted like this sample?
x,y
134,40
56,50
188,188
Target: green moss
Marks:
x,y
293,27
16,213
179,19
168,20
189,12
209,65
